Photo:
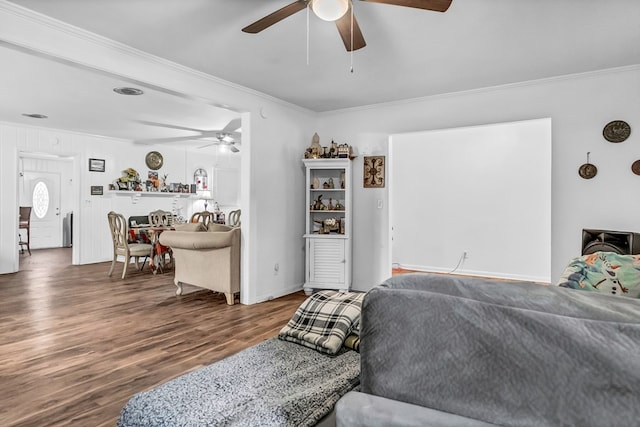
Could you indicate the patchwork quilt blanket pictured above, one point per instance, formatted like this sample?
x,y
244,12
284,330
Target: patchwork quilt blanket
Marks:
x,y
274,383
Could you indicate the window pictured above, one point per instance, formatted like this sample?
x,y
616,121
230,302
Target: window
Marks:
x,y
40,199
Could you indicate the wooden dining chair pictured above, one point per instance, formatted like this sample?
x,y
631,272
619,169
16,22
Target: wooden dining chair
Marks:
x,y
164,219
204,217
234,218
161,218
121,246
25,224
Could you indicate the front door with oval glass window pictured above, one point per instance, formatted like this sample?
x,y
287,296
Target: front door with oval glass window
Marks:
x,y
42,193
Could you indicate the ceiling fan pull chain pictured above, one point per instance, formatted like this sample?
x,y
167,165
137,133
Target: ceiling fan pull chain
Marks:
x,y
308,7
351,69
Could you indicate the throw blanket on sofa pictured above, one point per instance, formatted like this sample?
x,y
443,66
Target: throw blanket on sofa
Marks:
x,y
275,383
504,353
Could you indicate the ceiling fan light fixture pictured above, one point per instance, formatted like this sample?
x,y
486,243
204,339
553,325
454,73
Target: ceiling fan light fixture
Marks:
x,y
329,10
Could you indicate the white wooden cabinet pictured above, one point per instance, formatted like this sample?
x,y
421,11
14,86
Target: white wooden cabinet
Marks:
x,y
328,224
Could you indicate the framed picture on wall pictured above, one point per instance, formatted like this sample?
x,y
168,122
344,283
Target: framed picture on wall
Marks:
x,y
96,165
373,171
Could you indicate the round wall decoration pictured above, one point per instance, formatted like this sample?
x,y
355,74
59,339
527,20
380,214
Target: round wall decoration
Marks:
x,y
616,131
635,167
154,160
588,170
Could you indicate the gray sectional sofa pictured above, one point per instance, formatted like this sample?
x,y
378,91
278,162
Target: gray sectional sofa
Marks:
x,y
438,350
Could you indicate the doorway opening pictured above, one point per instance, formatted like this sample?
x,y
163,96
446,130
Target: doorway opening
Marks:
x,y
46,186
473,200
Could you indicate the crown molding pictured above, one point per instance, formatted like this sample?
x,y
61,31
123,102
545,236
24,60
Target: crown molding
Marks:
x,y
40,19
536,82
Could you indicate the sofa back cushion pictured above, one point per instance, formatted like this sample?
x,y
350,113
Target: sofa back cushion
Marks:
x,y
190,226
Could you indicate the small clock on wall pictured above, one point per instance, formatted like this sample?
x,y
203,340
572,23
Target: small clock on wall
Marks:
x,y
154,160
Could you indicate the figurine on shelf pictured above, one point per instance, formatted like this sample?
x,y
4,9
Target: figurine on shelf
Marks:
x,y
333,151
331,206
331,184
316,148
162,184
344,151
129,180
316,183
328,225
318,205
339,206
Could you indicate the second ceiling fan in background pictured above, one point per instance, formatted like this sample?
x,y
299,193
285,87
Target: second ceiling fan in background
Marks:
x,y
339,11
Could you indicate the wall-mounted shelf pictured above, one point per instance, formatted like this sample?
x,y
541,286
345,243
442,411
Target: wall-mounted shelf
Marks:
x,y
136,195
147,194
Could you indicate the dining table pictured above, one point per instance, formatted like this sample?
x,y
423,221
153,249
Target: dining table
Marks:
x,y
157,258
150,234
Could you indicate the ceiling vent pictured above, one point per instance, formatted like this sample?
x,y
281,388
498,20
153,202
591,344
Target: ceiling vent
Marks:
x,y
128,91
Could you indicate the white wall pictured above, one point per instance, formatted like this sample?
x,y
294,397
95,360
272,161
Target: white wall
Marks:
x,y
9,201
476,200
579,106
92,242
275,135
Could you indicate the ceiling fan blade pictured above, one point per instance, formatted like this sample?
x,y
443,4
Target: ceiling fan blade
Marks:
x,y
232,125
275,17
166,140
165,125
344,28
435,5
209,145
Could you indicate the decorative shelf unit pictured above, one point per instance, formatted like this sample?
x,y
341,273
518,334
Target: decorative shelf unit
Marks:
x,y
328,229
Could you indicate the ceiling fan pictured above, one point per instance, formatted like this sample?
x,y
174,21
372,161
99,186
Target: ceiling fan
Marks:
x,y
340,12
229,136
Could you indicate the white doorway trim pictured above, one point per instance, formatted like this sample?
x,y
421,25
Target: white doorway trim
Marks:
x,y
73,159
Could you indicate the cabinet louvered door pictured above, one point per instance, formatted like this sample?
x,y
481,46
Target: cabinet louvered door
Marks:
x,y
328,263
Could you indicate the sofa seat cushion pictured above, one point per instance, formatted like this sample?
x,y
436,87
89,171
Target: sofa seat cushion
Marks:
x,y
357,409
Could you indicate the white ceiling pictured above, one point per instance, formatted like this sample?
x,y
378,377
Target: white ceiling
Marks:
x,y
410,53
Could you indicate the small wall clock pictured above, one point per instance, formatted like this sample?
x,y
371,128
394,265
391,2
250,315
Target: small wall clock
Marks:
x,y
374,171
154,160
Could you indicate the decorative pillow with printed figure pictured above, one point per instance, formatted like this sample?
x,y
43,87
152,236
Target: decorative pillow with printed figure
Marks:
x,y
606,272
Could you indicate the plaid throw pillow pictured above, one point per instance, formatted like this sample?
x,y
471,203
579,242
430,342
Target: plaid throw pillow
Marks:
x,y
324,320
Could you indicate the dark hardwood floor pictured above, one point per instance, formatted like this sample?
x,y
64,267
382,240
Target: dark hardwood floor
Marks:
x,y
75,344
